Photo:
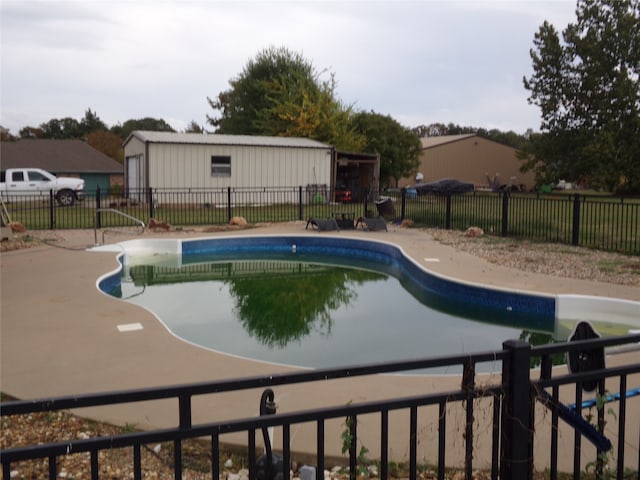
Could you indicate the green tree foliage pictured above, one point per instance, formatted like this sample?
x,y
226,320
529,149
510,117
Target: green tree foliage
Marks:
x,y
193,127
254,89
399,147
311,112
30,132
64,128
91,123
280,93
95,132
147,123
587,88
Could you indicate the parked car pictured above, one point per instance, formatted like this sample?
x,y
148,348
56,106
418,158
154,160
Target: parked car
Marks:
x,y
29,182
444,186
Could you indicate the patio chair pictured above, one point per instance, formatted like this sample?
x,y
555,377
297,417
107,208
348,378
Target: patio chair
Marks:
x,y
372,224
318,224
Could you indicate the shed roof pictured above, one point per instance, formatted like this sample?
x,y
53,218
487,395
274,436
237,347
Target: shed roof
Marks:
x,y
218,139
57,156
430,142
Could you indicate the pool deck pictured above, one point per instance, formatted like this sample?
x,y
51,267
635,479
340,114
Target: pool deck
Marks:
x,y
59,336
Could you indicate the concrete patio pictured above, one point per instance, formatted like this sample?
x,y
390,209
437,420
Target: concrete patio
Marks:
x,y
60,336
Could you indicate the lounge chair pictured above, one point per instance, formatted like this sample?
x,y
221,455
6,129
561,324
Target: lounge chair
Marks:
x,y
329,224
372,224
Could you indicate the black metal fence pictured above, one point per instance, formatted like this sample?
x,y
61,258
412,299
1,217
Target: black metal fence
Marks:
x,y
606,223
511,403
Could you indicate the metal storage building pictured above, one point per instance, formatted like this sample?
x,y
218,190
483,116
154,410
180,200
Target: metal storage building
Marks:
x,y
195,160
200,161
469,158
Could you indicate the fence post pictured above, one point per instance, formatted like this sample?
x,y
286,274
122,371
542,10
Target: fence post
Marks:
x,y
365,205
505,214
575,233
98,212
150,201
229,212
52,216
300,217
447,219
403,203
517,435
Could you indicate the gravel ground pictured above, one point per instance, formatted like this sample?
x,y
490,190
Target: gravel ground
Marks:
x,y
547,258
552,259
156,460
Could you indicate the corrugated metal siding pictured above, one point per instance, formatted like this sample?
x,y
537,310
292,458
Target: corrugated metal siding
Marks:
x,y
471,159
180,166
134,152
134,147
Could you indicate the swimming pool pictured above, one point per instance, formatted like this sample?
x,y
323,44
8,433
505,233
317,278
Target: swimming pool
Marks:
x,y
512,311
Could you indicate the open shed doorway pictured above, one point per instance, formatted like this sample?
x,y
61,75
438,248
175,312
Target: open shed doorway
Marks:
x,y
355,173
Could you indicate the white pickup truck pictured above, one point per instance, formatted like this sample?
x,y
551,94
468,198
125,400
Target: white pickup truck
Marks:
x,y
31,182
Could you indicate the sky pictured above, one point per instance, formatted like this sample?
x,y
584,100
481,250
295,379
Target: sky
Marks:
x,y
420,61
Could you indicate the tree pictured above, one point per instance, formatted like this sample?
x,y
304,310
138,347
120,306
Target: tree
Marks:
x,y
253,90
280,93
311,112
65,128
399,147
193,127
587,88
108,143
147,123
30,132
91,123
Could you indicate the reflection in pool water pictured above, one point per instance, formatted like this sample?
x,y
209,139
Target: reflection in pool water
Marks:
x,y
308,313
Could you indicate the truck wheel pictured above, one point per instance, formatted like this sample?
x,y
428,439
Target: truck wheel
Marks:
x,y
65,198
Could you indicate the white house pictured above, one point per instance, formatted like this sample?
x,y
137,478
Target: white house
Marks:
x,y
202,161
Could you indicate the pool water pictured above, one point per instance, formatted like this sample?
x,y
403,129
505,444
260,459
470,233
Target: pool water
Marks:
x,y
308,312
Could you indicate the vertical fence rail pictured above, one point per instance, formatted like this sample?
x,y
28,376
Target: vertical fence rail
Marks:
x,y
98,216
505,214
575,231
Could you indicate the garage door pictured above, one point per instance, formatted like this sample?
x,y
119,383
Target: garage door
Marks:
x,y
94,180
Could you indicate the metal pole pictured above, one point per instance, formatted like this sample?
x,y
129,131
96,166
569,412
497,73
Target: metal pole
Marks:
x,y
98,223
516,416
52,217
505,213
575,234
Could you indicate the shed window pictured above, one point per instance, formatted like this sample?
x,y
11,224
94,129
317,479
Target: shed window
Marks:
x,y
220,166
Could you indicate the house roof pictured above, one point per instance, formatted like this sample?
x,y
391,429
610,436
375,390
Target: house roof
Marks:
x,y
430,142
218,139
57,156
